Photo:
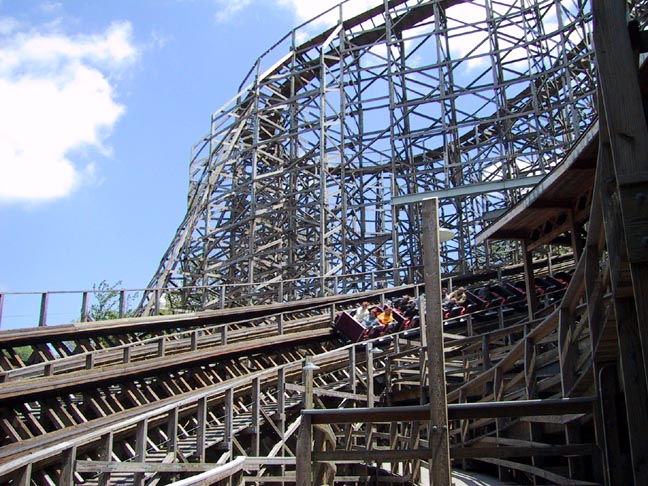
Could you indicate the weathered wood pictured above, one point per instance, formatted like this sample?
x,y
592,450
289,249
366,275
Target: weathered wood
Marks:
x,y
440,445
256,416
631,333
142,467
521,451
67,471
303,454
22,477
201,429
529,281
140,449
628,138
555,478
214,475
456,411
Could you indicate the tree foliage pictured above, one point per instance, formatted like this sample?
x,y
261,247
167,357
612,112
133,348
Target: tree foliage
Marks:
x,y
109,300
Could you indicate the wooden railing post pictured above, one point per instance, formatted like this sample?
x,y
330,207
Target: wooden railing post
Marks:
x,y
229,418
352,368
439,436
140,449
67,471
42,321
84,307
201,429
122,303
22,477
303,455
105,454
256,416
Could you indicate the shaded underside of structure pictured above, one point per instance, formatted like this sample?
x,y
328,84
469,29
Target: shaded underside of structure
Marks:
x,y
298,181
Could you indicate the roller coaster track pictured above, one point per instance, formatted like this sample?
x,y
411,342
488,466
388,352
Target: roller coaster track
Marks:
x,y
247,395
298,172
193,404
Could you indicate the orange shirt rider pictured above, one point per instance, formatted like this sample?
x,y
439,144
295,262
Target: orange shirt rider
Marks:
x,y
386,316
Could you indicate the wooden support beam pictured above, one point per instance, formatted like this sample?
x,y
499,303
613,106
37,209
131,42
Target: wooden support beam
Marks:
x,y
456,411
201,429
304,475
105,454
529,280
631,333
440,445
142,467
140,449
67,471
628,138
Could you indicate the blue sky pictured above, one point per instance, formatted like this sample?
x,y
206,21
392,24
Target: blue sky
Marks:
x,y
100,103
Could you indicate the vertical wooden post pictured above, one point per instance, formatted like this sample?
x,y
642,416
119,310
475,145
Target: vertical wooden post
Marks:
x,y
307,374
201,429
281,408
223,331
140,450
42,320
67,471
352,368
84,307
529,280
172,432
628,139
22,476
439,440
156,304
631,330
122,303
370,376
89,361
256,416
105,454
229,419
303,454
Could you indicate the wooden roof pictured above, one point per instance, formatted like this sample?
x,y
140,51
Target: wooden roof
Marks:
x,y
560,200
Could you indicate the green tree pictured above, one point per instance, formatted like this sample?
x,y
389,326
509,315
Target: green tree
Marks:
x,y
108,301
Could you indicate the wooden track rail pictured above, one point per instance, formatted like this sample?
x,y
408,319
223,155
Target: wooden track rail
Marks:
x,y
113,403
24,347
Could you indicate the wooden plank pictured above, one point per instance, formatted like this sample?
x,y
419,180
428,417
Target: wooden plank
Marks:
x,y
520,451
303,472
214,475
440,474
67,471
456,411
631,333
132,467
556,478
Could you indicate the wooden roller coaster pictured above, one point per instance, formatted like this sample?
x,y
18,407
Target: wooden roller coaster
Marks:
x,y
552,392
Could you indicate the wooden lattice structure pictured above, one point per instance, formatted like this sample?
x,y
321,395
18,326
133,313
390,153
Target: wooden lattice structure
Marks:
x,y
305,175
552,392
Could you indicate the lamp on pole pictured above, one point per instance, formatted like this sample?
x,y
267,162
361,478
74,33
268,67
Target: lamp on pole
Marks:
x,y
432,236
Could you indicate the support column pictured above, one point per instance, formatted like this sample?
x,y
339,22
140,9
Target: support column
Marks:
x,y
439,441
529,280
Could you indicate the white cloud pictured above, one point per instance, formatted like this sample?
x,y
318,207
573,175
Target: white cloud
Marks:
x,y
307,9
57,99
228,8
302,10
